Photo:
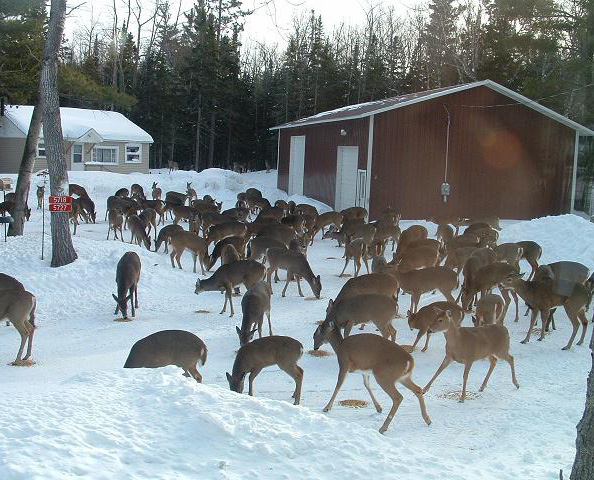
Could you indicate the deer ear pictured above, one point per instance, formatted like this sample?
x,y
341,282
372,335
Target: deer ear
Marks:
x,y
228,376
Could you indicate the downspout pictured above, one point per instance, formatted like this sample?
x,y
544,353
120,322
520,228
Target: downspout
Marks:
x,y
369,164
574,173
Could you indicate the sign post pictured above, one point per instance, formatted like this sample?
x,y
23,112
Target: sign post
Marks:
x,y
57,204
5,186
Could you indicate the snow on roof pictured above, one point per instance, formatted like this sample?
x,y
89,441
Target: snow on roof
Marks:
x,y
76,122
362,110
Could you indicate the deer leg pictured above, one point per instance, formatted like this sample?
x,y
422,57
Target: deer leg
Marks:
x,y
419,336
584,321
108,229
444,364
448,295
287,282
424,349
347,328
389,387
414,301
136,294
346,262
193,371
269,278
132,301
225,304
493,363
342,373
575,324
30,342
366,264
296,373
532,322
515,297
121,235
299,286
194,260
229,293
510,359
544,318
376,404
171,256
467,368
18,361
202,264
413,387
269,324
178,257
253,374
357,265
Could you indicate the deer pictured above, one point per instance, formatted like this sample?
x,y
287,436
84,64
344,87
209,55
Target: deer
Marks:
x,y
88,206
477,259
337,235
354,213
74,189
190,192
137,232
458,257
9,283
137,192
283,233
254,304
17,306
120,203
444,234
417,258
276,213
182,240
541,297
387,361
422,319
148,217
381,283
237,214
169,347
306,209
257,247
237,242
385,232
182,212
418,282
216,233
122,193
325,220
264,352
466,345
248,272
116,221
156,192
531,252
127,278
412,233
360,309
40,194
489,310
165,234
296,265
355,251
173,166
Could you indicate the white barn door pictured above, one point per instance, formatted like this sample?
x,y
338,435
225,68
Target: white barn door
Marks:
x,y
346,178
297,165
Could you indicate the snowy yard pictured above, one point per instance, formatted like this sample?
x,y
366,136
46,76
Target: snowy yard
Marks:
x,y
77,412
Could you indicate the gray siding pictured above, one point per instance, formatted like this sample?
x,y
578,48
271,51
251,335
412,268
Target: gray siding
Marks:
x,y
122,166
11,153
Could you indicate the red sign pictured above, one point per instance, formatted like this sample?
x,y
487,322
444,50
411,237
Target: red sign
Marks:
x,y
59,199
60,207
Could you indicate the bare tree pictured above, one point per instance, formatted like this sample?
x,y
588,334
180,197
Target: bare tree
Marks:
x,y
62,249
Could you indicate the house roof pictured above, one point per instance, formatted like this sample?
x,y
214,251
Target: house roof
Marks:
x,y
85,125
362,110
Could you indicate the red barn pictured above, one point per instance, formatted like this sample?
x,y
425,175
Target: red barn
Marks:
x,y
467,150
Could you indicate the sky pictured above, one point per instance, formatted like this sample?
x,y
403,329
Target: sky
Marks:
x,y
270,23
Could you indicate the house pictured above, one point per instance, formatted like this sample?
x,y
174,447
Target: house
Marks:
x,y
93,140
466,150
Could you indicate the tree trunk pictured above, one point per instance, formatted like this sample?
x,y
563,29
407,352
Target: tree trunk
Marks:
x,y
25,172
62,249
213,119
228,161
198,126
583,466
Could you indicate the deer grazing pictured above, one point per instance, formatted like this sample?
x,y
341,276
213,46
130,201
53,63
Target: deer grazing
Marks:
x,y
325,220
422,319
381,283
237,242
388,362
169,347
248,272
216,233
40,194
116,221
254,304
542,299
156,192
257,247
355,251
17,306
264,352
182,240
357,310
466,345
137,232
418,282
127,278
296,266
165,236
489,310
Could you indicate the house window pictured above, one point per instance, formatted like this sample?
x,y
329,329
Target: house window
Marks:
x,y
41,149
105,155
77,153
133,153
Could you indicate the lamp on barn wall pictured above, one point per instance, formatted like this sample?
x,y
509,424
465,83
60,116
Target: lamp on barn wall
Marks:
x,y
343,132
445,186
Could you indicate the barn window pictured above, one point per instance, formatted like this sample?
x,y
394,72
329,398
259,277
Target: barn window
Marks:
x,y
133,153
105,155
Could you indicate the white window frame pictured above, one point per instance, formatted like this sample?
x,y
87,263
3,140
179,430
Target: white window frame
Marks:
x,y
102,147
41,142
82,153
139,145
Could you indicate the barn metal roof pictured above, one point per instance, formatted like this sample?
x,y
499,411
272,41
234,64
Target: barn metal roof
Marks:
x,y
362,110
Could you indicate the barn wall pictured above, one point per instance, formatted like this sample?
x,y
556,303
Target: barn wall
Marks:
x,y
321,143
509,160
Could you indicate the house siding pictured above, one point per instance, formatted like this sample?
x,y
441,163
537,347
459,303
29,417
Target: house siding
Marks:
x,y
122,166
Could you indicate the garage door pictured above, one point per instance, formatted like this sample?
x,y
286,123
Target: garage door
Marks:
x,y
346,177
296,165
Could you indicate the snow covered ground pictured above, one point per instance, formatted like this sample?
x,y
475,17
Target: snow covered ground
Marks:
x,y
77,413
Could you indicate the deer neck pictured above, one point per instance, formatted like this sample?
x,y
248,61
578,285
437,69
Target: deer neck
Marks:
x,y
452,334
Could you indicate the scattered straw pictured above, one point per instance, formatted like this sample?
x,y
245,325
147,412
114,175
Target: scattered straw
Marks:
x,y
319,353
202,311
455,395
353,403
24,363
123,320
312,299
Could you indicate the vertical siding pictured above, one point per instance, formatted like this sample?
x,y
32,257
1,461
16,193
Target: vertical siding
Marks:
x,y
321,147
121,166
11,153
509,161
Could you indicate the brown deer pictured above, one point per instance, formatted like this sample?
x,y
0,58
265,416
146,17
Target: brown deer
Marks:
x,y
489,310
122,193
422,319
444,234
169,347
173,166
357,310
40,195
458,257
381,283
17,306
148,217
338,235
412,233
325,220
190,192
116,221
354,213
137,232
156,192
182,240
216,233
9,283
283,233
531,252
296,266
417,258
237,242
248,272
165,236
466,345
182,212
355,251
264,352
542,299
418,282
127,278
257,247
88,206
388,362
254,304
74,189
137,192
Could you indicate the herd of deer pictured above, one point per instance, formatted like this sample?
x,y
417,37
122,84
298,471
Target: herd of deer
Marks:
x,y
252,251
